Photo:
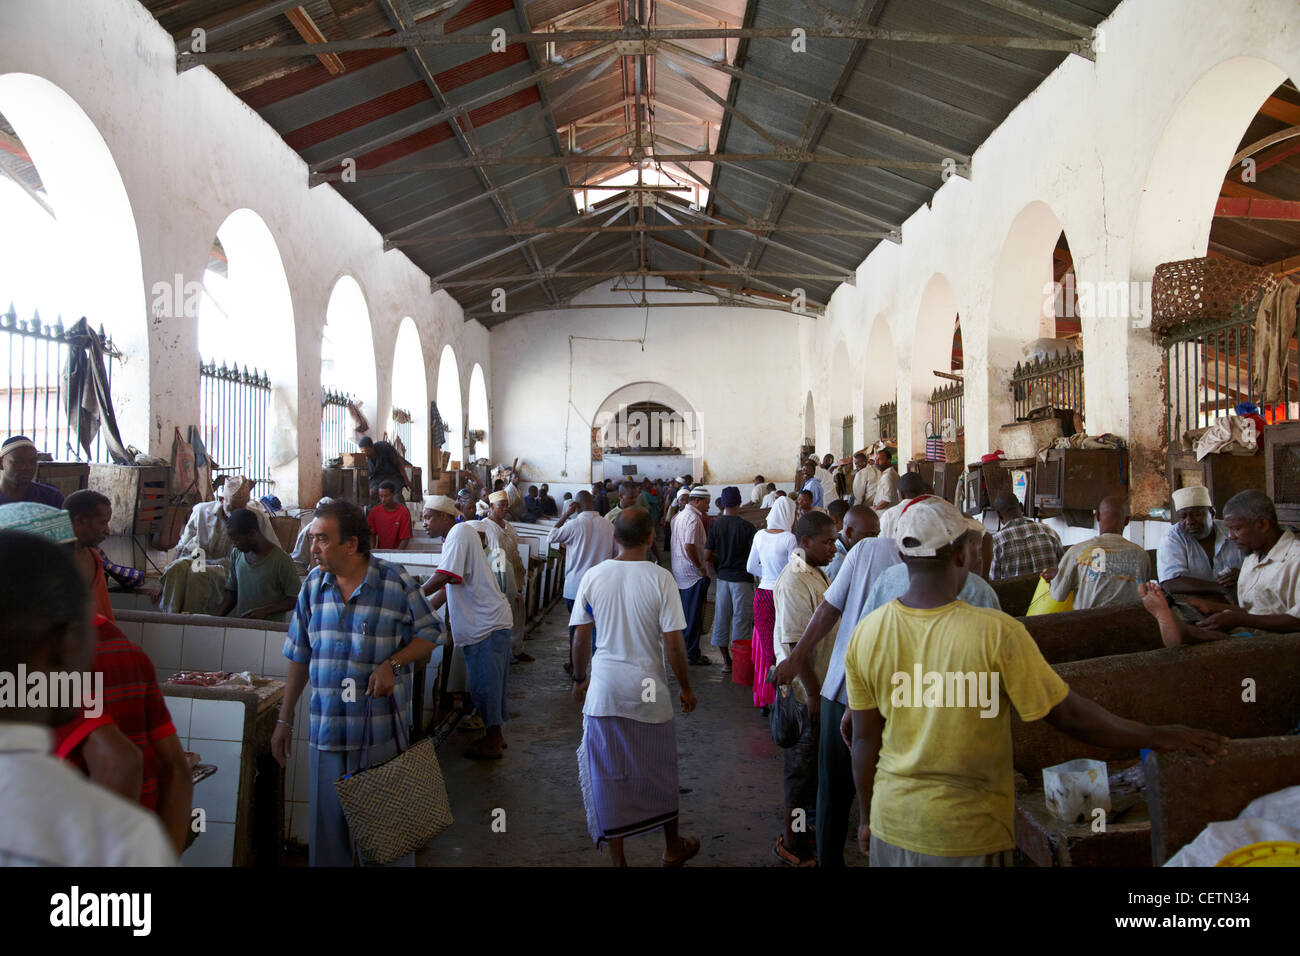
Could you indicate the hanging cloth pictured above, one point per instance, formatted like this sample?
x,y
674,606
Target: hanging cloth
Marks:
x,y
89,403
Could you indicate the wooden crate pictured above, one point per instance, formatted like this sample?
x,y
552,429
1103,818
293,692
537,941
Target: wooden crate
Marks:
x,y
1222,475
67,476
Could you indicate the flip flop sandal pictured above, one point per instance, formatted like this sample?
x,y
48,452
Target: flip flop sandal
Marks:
x,y
692,845
791,859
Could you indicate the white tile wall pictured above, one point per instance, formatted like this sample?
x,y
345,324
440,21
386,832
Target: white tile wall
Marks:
x,y
133,630
162,642
217,720
214,847
274,663
202,648
244,650
218,794
180,709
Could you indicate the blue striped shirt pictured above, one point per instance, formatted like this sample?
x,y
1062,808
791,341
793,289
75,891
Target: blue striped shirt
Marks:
x,y
349,639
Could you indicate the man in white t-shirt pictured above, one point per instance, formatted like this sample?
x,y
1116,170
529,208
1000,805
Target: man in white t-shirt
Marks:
x,y
51,815
627,763
504,559
588,539
480,617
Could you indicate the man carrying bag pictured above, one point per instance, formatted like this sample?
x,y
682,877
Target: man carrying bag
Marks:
x,y
359,625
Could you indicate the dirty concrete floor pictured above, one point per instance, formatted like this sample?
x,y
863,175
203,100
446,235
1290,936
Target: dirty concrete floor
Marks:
x,y
729,772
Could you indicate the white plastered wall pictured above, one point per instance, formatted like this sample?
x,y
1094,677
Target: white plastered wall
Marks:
x,y
738,369
189,153
1126,153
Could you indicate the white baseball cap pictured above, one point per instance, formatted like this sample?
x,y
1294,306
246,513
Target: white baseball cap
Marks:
x,y
699,491
928,523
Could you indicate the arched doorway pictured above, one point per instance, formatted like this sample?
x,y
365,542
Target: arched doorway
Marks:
x,y
478,418
931,351
347,371
248,382
880,384
1038,328
450,406
841,405
646,430
69,248
410,415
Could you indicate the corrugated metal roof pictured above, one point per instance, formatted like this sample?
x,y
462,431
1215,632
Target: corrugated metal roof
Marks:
x,y
448,139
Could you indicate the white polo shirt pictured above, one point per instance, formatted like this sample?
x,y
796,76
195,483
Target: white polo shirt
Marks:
x,y
1271,584
54,816
474,600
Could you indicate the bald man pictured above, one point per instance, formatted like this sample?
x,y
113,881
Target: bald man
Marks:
x,y
1106,570
859,522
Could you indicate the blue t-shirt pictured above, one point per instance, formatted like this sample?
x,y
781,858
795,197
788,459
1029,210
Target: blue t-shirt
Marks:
x,y
39,493
893,582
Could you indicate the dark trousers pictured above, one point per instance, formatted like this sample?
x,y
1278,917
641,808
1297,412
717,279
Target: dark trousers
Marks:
x,y
693,610
835,787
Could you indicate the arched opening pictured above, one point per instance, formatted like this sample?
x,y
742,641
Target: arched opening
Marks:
x,y
1035,359
931,352
646,430
68,248
450,407
880,384
410,413
841,404
248,378
809,425
478,419
1229,147
347,370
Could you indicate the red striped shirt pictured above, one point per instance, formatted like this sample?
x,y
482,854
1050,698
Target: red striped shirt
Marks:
x,y
132,700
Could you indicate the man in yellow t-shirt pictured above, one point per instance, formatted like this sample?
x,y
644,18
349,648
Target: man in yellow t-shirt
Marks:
x,y
931,681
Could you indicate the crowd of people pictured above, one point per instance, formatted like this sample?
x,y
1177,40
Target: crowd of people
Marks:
x,y
893,572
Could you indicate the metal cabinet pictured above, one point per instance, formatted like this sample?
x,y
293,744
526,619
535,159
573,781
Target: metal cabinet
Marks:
x,y
1282,469
1222,475
1076,479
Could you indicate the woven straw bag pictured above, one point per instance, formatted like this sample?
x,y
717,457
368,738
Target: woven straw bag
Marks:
x,y
399,806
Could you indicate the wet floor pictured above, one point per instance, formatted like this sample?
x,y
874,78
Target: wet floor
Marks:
x,y
526,809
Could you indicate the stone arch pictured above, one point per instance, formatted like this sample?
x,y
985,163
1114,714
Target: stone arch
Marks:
x,y
411,392
931,351
612,420
82,257
245,318
478,417
880,377
840,401
1025,301
348,350
450,404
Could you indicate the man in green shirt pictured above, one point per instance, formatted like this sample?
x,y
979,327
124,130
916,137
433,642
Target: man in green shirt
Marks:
x,y
263,582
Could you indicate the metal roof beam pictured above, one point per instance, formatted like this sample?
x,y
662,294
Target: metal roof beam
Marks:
x,y
569,306
962,159
896,234
750,229
486,157
464,137
461,109
1045,17
260,15
423,36
648,273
